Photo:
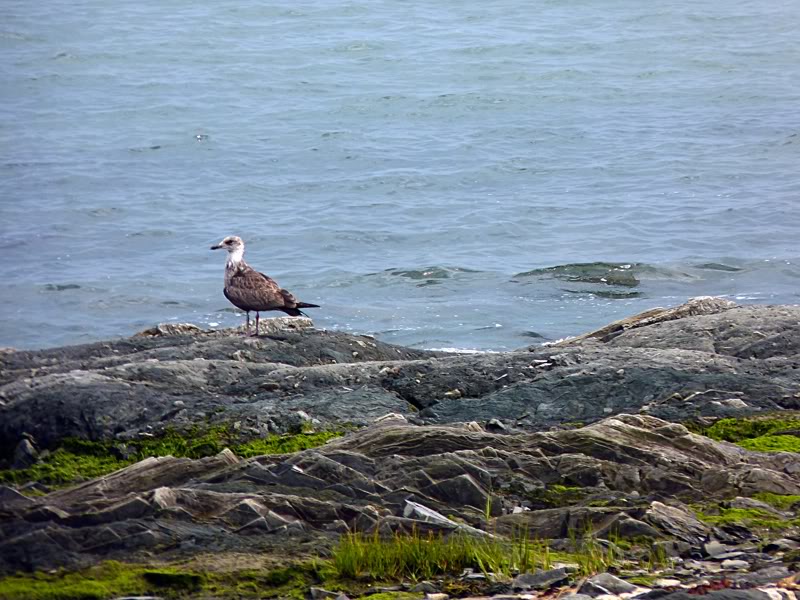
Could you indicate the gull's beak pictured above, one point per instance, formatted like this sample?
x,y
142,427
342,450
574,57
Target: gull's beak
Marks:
x,y
217,247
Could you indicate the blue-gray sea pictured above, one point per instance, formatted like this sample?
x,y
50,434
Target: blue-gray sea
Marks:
x,y
428,172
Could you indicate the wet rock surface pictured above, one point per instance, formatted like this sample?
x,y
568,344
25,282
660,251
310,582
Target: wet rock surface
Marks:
x,y
582,436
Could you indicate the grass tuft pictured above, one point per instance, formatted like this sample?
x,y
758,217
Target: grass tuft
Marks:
x,y
591,555
415,556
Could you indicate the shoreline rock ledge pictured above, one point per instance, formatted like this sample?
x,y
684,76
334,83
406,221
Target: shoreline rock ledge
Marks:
x,y
706,358
585,435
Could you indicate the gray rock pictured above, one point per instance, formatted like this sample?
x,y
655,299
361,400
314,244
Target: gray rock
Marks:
x,y
735,564
607,582
318,593
460,490
713,548
677,522
540,580
779,545
424,587
11,498
593,590
762,577
495,425
25,455
726,555
627,528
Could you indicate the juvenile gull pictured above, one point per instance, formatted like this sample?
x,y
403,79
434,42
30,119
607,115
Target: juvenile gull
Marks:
x,y
249,290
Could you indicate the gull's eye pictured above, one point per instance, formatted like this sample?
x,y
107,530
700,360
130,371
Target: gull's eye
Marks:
x,y
229,242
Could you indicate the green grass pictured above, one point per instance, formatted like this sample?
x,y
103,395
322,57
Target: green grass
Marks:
x,y
77,460
589,554
415,556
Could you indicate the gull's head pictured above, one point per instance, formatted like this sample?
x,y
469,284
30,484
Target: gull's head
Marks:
x,y
233,244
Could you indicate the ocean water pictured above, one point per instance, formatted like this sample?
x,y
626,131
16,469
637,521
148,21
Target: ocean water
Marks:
x,y
429,173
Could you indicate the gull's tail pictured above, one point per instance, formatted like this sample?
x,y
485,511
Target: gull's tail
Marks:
x,y
296,312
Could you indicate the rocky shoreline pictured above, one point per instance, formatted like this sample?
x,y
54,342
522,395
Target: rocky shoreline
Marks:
x,y
600,445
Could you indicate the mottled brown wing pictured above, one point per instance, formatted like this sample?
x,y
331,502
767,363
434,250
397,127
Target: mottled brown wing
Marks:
x,y
288,298
250,290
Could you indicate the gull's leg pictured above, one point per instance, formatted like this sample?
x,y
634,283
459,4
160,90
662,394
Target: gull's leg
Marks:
x,y
256,323
247,332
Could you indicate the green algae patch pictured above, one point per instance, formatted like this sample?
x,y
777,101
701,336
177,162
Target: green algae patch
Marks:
x,y
112,579
753,518
738,430
64,466
779,501
557,496
761,433
77,460
772,443
284,444
175,580
103,581
285,582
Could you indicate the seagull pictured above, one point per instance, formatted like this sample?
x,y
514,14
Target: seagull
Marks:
x,y
249,290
